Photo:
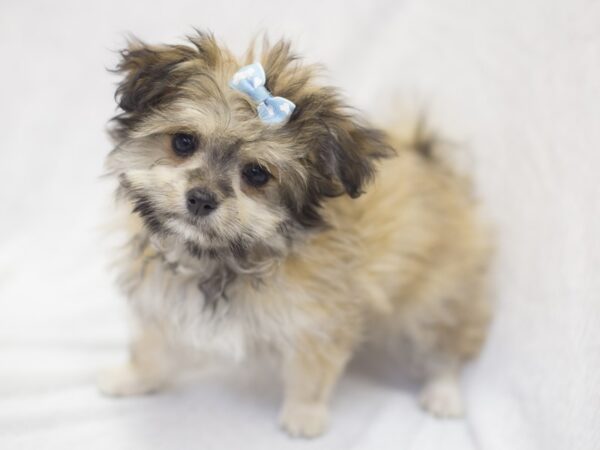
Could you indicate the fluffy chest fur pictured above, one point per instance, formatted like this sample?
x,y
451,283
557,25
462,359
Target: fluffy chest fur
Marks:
x,y
218,306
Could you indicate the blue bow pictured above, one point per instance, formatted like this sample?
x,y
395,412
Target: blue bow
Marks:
x,y
251,81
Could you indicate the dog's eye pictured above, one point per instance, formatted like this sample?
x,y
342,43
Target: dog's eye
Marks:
x,y
184,144
255,175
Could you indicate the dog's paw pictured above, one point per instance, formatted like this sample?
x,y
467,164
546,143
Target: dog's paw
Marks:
x,y
442,398
304,420
126,381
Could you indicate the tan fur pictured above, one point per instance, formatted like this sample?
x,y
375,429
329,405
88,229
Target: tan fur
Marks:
x,y
409,255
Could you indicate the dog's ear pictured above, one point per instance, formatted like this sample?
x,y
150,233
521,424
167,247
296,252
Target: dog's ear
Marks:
x,y
342,148
347,151
152,74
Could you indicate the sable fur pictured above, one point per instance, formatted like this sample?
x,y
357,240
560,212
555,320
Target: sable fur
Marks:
x,y
356,231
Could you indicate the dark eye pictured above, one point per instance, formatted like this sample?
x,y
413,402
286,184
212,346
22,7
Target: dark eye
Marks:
x,y
255,175
184,144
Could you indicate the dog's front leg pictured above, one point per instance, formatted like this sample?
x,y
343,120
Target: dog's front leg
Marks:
x,y
147,369
311,368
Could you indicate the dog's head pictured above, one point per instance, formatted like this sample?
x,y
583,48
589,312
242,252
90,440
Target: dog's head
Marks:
x,y
197,163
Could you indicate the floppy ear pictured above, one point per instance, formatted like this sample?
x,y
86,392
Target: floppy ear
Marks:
x,y
347,152
149,75
152,73
341,147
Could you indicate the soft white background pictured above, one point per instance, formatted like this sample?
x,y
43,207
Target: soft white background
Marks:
x,y
516,82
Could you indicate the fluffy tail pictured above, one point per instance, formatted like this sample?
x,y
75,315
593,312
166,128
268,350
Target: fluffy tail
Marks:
x,y
419,136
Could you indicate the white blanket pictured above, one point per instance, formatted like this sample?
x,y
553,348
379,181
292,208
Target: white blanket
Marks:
x,y
516,83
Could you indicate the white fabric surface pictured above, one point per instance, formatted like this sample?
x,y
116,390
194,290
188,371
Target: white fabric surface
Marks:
x,y
516,82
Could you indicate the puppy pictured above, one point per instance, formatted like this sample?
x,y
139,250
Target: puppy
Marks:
x,y
295,230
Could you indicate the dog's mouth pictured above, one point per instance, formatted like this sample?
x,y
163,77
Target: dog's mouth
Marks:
x,y
199,233
194,221
196,229
182,225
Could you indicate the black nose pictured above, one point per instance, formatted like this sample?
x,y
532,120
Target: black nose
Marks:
x,y
201,202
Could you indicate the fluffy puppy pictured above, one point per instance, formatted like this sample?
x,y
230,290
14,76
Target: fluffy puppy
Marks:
x,y
298,239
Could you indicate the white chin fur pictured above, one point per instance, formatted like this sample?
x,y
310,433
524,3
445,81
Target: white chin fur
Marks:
x,y
188,232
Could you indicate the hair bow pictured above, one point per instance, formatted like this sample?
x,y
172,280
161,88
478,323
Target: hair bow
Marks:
x,y
250,80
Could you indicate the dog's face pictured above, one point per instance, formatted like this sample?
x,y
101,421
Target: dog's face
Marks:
x,y
197,163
